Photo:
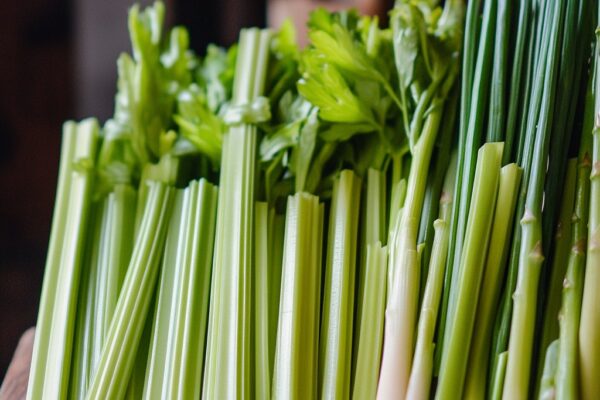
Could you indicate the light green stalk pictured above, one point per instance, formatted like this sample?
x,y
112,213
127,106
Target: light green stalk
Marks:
x,y
372,230
560,259
478,232
118,355
159,341
371,329
403,284
498,378
495,266
189,316
419,384
86,324
228,372
567,376
269,246
53,345
589,332
547,384
335,347
296,353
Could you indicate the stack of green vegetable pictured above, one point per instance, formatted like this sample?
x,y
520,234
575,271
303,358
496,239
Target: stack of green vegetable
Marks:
x,y
400,212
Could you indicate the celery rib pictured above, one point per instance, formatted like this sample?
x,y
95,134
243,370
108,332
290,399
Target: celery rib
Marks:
x,y
335,354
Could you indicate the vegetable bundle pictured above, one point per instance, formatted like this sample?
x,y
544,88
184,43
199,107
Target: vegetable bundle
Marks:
x,y
408,211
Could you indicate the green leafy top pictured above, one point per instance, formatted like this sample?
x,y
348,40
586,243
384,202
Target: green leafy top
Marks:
x,y
140,131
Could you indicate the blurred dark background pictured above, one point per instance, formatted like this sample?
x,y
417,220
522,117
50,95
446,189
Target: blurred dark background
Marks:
x,y
58,62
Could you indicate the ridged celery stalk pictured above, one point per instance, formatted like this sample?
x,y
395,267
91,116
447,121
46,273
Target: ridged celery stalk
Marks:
x,y
165,299
589,331
478,231
50,367
185,357
372,230
419,384
296,352
371,329
228,372
86,324
494,269
335,347
269,231
118,354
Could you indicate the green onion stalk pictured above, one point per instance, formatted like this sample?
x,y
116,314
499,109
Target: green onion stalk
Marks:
x,y
589,330
516,384
493,272
422,371
533,16
454,363
403,272
469,140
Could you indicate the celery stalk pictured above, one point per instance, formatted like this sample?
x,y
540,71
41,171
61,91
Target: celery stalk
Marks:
x,y
268,240
118,355
476,379
296,352
477,235
54,337
185,356
335,354
155,376
61,208
371,329
372,230
228,372
86,325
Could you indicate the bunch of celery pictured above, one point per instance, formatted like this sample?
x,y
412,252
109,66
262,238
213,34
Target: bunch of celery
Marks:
x,y
365,217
